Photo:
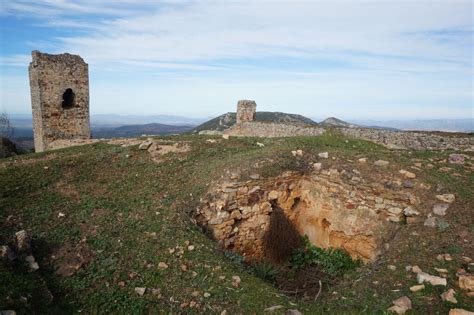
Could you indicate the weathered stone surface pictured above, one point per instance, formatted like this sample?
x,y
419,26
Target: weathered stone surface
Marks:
x,y
417,288
269,130
440,209
327,207
381,163
460,311
145,145
411,140
430,222
59,97
401,305
466,282
448,296
422,277
246,111
410,212
22,241
448,198
6,253
455,158
323,155
140,290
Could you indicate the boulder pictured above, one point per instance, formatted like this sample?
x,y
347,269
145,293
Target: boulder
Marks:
x,y
449,198
466,282
440,209
448,296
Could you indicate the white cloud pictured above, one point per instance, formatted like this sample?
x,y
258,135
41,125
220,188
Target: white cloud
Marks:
x,y
396,54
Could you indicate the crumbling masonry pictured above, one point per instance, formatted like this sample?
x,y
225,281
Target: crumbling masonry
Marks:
x,y
59,87
246,111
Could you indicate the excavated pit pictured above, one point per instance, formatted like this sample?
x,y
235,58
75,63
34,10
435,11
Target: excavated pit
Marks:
x,y
334,208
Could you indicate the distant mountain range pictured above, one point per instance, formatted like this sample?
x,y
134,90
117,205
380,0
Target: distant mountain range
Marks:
x,y
138,130
227,120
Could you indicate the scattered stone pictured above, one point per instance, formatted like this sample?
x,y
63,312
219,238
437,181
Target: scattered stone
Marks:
x,y
459,311
362,160
273,195
422,277
401,305
395,210
207,294
466,259
61,215
441,270
440,209
191,247
254,176
466,282
417,288
236,281
317,166
446,257
140,291
261,145
6,253
392,267
145,145
226,137
162,265
293,312
211,140
8,312
323,155
416,269
381,163
455,158
22,241
448,296
273,308
408,174
33,264
430,222
410,212
449,198
408,184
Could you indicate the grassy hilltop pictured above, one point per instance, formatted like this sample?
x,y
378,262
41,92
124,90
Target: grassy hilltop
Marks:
x,y
117,216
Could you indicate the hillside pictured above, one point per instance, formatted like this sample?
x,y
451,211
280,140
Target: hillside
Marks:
x,y
138,130
335,122
227,120
108,220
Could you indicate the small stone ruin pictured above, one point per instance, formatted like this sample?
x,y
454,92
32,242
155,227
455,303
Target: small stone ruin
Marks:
x,y
246,111
59,87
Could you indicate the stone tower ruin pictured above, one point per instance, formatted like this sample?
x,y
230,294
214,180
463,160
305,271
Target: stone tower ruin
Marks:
x,y
59,87
246,110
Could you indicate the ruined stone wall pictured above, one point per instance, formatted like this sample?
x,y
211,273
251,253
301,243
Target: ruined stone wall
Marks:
x,y
334,208
59,87
266,129
411,140
246,110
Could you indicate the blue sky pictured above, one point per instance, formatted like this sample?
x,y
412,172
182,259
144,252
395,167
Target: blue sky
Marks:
x,y
349,59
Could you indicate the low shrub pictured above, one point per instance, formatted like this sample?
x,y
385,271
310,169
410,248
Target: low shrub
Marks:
x,y
334,261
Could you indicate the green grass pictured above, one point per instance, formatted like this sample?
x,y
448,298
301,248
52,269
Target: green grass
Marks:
x,y
125,213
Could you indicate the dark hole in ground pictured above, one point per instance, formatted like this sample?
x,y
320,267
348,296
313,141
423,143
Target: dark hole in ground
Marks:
x,y
281,238
68,98
280,241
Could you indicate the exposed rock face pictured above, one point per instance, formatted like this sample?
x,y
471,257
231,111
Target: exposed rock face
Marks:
x,y
411,140
246,111
59,97
268,130
335,209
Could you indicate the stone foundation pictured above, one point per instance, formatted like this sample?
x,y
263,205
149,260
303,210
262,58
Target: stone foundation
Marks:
x,y
411,140
334,208
264,129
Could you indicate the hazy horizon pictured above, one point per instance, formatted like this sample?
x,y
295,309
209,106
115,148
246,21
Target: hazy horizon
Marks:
x,y
378,60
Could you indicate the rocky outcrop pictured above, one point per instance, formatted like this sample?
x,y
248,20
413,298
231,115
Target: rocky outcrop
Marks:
x,y
334,208
263,129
